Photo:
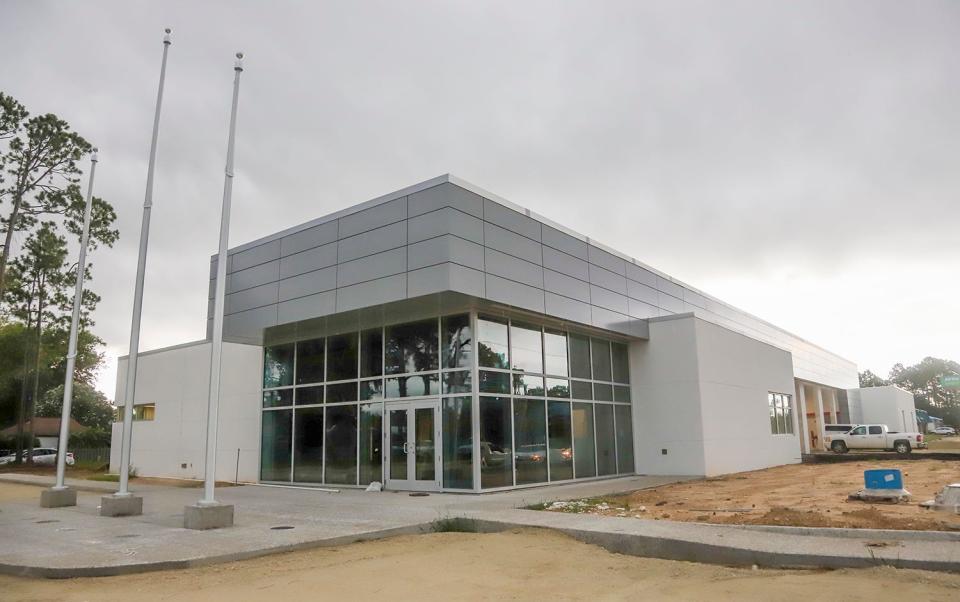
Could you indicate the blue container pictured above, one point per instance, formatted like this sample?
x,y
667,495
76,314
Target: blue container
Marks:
x,y
887,478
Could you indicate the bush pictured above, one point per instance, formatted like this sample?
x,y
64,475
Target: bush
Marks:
x,y
93,437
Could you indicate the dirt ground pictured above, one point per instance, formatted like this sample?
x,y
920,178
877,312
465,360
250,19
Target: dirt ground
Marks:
x,y
803,495
518,565
99,475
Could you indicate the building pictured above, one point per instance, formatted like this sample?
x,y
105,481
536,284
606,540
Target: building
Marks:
x,y
889,405
442,338
45,429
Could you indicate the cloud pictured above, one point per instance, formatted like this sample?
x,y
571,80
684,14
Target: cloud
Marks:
x,y
742,146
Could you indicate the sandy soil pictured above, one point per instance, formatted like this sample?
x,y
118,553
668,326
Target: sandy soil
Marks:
x,y
11,492
99,475
520,565
811,495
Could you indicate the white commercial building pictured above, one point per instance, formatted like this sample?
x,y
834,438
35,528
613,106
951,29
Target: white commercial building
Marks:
x,y
442,338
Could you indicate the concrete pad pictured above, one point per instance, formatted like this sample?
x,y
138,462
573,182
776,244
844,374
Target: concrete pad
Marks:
x,y
58,498
209,516
121,505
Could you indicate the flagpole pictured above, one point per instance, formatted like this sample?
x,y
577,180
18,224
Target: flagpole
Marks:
x,y
72,345
218,515
131,382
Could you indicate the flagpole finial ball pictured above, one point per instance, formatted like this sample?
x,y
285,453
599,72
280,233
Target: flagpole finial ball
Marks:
x,y
239,55
167,30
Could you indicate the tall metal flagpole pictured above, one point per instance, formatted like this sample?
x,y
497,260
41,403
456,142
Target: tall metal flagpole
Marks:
x,y
138,293
213,402
74,327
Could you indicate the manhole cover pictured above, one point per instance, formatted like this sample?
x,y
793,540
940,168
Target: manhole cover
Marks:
x,y
43,522
281,528
419,494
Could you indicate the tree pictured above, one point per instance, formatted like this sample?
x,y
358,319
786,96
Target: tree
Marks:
x,y
37,294
923,380
869,379
41,165
90,407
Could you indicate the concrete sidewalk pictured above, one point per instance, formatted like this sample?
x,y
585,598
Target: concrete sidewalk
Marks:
x,y
70,542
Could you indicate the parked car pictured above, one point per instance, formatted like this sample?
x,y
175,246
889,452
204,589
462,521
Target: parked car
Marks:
x,y
41,456
944,430
874,436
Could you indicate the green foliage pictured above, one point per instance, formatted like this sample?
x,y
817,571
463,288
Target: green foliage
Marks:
x,y
923,380
90,408
91,438
869,379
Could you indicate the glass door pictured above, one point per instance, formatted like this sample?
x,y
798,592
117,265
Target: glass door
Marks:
x,y
414,444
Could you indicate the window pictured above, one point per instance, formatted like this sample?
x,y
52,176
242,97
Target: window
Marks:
x,y
494,382
275,443
530,438
272,399
579,356
624,440
342,357
561,443
412,347
371,353
526,384
310,361
606,450
457,443
308,446
457,341
341,448
496,449
621,365
860,430
526,348
555,353
492,343
371,435
875,430
584,456
278,366
141,411
600,350
781,413
421,385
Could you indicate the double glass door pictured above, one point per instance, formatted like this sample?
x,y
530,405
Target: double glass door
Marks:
x,y
413,432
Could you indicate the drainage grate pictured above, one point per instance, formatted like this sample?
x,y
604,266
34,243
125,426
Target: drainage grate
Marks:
x,y
127,536
281,528
419,494
44,522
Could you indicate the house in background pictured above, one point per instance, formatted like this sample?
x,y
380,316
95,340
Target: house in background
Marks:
x,y
46,429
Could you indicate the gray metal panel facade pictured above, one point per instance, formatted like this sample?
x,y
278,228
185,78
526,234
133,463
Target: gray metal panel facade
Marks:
x,y
446,234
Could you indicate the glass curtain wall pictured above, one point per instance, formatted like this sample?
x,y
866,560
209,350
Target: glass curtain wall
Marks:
x,y
554,405
323,400
548,405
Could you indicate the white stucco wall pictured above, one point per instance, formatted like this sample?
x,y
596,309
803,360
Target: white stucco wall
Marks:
x,y
889,405
177,380
736,375
700,393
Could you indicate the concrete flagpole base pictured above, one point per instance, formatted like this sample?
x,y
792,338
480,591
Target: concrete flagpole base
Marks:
x,y
207,516
121,505
58,498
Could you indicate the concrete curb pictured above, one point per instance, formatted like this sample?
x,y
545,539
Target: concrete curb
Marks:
x,y
873,534
633,544
707,553
22,570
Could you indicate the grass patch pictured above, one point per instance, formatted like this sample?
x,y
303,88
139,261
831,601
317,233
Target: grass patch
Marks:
x,y
455,525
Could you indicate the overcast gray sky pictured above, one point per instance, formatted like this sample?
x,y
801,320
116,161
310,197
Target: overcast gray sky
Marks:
x,y
799,160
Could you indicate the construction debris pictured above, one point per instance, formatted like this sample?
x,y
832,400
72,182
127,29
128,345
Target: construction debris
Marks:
x,y
948,500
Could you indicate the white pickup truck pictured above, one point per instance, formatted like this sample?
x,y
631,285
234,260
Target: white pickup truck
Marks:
x,y
874,436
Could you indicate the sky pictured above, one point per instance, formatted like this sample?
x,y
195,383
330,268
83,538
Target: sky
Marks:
x,y
800,161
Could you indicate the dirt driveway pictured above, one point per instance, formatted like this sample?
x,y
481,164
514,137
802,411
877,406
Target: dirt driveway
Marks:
x,y
519,565
809,495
